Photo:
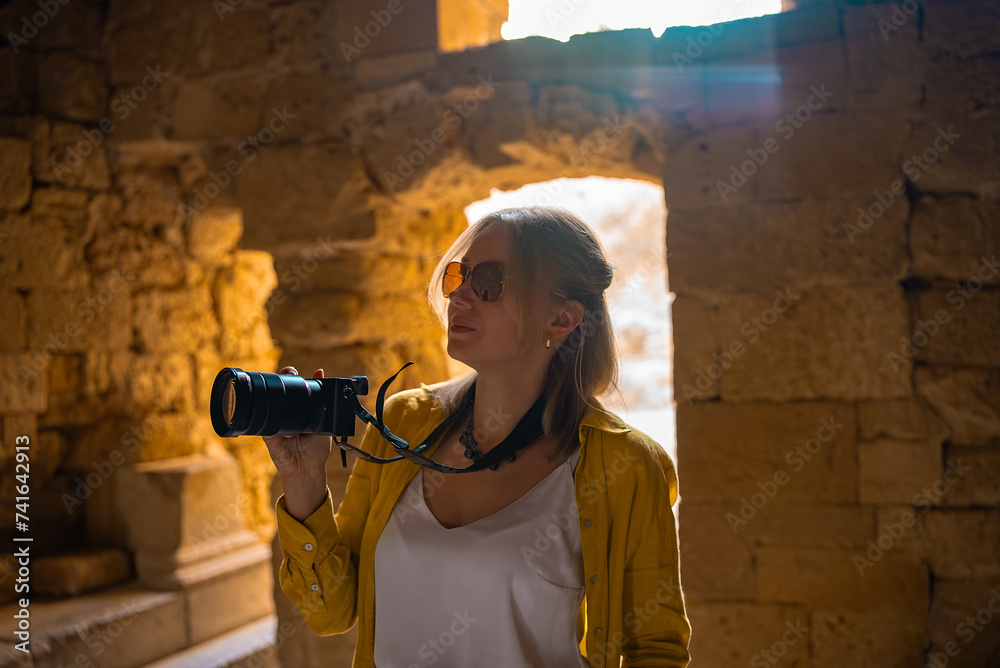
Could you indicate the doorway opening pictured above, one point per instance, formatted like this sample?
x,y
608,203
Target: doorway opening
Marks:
x,y
629,216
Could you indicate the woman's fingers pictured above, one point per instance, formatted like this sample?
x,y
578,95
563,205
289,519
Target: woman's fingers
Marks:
x,y
318,373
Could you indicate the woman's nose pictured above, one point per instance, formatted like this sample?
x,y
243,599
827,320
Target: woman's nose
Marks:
x,y
463,294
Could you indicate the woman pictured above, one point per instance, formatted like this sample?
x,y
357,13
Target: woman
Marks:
x,y
563,553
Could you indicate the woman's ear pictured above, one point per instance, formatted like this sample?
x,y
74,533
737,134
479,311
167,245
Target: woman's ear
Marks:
x,y
567,318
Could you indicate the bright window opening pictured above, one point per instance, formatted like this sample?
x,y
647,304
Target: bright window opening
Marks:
x,y
561,19
629,217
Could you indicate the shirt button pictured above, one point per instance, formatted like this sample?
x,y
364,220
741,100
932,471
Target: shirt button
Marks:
x,y
597,632
587,523
308,547
315,587
593,580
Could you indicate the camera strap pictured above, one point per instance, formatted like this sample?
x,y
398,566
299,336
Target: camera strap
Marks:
x,y
527,430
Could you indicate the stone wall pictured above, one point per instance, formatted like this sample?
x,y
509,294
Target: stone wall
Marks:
x,y
839,484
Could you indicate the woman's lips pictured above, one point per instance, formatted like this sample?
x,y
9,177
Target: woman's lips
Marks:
x,y
458,329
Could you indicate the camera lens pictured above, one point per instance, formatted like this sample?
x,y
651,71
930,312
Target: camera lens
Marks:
x,y
265,404
229,401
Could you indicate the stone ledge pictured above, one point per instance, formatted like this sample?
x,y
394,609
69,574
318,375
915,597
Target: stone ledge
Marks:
x,y
255,639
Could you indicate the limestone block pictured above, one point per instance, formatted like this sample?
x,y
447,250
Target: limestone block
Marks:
x,y
893,471
816,343
764,87
214,234
885,58
14,425
20,391
968,400
949,151
70,574
741,633
959,326
230,601
161,381
980,487
13,321
717,564
218,108
143,260
239,40
789,525
295,193
15,173
141,43
240,292
902,419
940,253
331,266
798,243
811,160
696,341
843,637
379,71
316,100
65,153
962,28
67,206
78,320
959,543
41,251
118,627
958,611
341,318
300,33
183,494
77,27
730,451
958,86
71,87
411,27
695,167
178,320
829,578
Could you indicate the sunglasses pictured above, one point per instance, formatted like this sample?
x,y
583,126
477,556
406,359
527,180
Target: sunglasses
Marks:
x,y
487,279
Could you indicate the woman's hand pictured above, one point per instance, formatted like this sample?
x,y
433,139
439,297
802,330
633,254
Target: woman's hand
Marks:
x,y
301,463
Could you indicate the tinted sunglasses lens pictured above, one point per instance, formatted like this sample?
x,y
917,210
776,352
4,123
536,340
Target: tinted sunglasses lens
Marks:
x,y
453,278
487,281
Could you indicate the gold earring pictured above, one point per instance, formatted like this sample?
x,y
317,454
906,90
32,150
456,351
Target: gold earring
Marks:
x,y
548,342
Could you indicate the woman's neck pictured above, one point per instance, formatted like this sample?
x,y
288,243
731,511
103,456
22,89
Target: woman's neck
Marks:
x,y
502,399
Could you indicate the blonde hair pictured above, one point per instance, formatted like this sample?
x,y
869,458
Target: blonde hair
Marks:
x,y
551,248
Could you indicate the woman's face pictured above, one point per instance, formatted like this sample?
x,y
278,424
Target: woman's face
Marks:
x,y
491,336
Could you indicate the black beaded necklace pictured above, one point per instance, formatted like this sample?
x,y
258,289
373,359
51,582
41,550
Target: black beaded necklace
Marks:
x,y
527,430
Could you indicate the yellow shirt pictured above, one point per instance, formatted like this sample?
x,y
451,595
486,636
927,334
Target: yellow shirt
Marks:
x,y
625,489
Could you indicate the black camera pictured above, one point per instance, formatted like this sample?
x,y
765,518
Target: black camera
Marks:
x,y
249,403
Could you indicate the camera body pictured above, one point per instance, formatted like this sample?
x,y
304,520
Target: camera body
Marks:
x,y
250,403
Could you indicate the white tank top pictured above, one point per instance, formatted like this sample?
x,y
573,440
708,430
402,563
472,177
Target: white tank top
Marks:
x,y
501,592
